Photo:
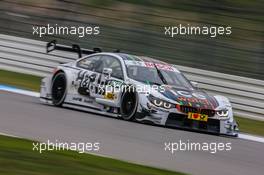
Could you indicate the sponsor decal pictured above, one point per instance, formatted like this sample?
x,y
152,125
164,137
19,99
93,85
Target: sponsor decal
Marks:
x,y
90,83
193,99
166,67
77,99
110,96
198,117
88,101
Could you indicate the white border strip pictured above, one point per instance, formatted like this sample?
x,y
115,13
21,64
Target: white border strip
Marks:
x,y
19,91
251,138
8,135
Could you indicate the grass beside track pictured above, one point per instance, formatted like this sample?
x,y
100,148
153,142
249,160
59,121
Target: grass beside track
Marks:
x,y
251,126
33,82
18,157
24,81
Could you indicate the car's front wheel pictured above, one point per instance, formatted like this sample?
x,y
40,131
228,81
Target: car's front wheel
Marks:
x,y
58,89
129,105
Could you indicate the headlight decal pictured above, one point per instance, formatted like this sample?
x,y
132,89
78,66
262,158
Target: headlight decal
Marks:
x,y
167,105
222,113
159,103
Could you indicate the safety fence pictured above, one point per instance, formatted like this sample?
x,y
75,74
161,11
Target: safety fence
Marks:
x,y
29,56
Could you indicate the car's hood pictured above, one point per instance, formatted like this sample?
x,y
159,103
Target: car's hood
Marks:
x,y
187,97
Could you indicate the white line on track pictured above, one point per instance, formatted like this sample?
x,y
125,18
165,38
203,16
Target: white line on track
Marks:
x,y
17,15
36,94
8,135
251,138
19,91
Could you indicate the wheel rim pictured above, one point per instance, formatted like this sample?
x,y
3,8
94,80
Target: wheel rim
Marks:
x,y
129,105
58,88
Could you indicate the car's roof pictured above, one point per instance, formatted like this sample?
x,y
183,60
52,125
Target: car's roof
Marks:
x,y
139,58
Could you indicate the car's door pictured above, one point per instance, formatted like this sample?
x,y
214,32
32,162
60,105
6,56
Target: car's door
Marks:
x,y
87,77
110,81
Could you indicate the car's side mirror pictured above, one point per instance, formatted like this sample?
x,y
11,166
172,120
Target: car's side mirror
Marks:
x,y
194,84
107,72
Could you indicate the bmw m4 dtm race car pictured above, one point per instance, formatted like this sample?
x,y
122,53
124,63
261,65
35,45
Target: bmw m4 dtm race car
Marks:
x,y
135,88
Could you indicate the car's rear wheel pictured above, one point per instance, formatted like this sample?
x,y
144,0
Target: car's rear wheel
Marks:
x,y
129,104
58,89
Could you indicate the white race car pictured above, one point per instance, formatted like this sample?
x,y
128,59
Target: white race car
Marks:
x,y
135,88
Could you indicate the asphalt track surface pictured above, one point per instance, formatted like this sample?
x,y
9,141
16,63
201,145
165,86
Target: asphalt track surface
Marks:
x,y
26,117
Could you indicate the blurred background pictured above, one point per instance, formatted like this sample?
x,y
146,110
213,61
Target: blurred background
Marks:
x,y
137,26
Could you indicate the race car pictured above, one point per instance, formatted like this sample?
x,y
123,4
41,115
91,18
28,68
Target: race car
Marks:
x,y
135,88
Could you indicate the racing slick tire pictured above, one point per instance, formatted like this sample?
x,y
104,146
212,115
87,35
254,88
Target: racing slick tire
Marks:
x,y
129,103
58,89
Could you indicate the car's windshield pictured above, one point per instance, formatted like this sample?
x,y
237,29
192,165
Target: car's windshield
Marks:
x,y
147,72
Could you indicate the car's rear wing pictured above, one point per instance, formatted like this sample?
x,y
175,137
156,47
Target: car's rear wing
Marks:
x,y
52,45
